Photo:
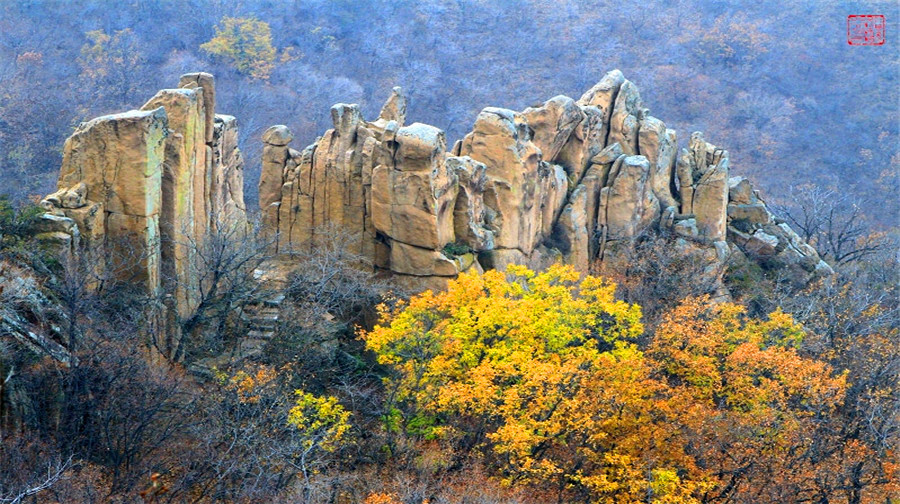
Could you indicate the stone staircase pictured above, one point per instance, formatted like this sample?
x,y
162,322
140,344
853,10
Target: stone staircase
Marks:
x,y
262,321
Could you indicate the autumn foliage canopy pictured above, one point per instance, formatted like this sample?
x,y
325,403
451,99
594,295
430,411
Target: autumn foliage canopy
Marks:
x,y
550,382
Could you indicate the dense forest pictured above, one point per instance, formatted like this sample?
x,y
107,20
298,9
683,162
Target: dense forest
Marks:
x,y
663,378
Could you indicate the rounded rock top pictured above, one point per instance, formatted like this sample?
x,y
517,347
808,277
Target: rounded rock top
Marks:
x,y
278,135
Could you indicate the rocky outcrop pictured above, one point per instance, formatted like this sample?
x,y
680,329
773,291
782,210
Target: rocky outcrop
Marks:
x,y
580,181
703,173
143,189
114,164
31,318
766,239
571,180
568,180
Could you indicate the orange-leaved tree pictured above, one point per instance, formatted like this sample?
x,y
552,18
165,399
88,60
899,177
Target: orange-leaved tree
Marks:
x,y
752,402
541,375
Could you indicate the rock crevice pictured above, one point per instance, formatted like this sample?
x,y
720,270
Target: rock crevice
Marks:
x,y
571,180
142,191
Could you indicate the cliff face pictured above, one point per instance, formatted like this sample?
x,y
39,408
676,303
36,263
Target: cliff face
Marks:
x,y
572,180
578,181
139,190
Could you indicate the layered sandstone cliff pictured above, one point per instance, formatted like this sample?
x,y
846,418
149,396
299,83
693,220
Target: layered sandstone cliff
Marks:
x,y
571,180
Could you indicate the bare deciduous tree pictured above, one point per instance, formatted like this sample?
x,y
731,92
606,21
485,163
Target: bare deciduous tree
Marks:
x,y
658,274
219,280
832,221
329,293
332,280
22,477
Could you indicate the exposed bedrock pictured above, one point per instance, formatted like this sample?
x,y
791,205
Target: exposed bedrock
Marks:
x,y
578,181
568,180
142,190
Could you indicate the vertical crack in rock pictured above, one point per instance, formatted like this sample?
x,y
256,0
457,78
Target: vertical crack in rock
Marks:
x,y
569,180
140,186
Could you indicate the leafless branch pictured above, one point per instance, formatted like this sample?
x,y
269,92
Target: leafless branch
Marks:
x,y
55,472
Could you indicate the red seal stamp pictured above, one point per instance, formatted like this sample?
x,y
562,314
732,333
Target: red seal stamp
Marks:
x,y
865,30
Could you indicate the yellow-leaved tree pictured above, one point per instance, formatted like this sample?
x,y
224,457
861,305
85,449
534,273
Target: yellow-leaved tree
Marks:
x,y
322,424
246,44
112,65
543,377
542,372
752,404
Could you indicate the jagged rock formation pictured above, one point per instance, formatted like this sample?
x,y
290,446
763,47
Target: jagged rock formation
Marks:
x,y
142,189
569,180
573,180
765,238
388,187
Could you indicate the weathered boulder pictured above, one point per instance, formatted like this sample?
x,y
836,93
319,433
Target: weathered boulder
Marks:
x,y
659,145
49,223
626,116
630,197
411,260
686,228
227,193
207,83
186,171
571,236
469,212
394,108
586,141
759,244
414,200
90,220
500,139
703,174
71,197
740,191
278,135
603,94
763,239
119,159
274,158
553,123
755,213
